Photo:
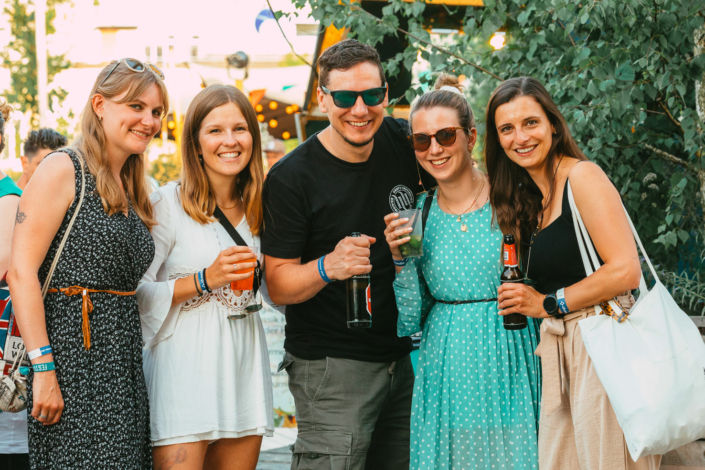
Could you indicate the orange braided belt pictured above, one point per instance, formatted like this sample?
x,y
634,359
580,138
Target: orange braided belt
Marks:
x,y
87,306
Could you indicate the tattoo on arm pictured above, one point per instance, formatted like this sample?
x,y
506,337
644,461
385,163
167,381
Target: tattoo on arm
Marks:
x,y
21,216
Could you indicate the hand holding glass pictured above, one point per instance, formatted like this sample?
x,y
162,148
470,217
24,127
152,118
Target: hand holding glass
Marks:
x,y
414,247
246,284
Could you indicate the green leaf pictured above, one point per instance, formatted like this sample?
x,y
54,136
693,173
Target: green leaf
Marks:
x,y
592,89
683,235
625,72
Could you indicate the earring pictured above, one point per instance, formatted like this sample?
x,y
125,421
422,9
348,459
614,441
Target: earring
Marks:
x,y
100,118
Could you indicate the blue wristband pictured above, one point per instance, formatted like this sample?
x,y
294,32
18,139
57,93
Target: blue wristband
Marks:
x,y
45,367
401,262
562,305
202,281
205,283
24,371
43,351
322,270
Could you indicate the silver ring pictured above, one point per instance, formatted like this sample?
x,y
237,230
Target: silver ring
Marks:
x,y
43,416
235,265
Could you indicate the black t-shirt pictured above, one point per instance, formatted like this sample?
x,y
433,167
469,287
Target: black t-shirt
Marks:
x,y
312,200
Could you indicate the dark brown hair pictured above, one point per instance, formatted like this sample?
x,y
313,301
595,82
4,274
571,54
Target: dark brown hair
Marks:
x,y
196,196
43,139
514,196
445,99
344,55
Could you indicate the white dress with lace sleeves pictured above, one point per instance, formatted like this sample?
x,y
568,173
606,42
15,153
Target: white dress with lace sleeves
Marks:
x,y
208,377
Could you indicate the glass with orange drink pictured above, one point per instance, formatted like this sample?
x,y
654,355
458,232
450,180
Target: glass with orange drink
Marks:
x,y
246,284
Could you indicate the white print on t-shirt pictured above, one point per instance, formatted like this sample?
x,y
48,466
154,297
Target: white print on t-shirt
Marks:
x,y
401,198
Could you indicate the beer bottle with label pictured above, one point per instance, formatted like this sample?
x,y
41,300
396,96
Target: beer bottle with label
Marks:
x,y
359,301
512,273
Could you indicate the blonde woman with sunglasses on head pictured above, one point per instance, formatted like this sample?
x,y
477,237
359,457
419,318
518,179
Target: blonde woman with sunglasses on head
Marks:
x,y
475,399
88,399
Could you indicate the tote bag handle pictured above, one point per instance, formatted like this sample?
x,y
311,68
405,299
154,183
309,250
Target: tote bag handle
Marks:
x,y
587,249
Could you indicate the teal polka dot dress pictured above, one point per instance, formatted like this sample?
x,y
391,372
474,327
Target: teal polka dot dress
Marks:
x,y
476,395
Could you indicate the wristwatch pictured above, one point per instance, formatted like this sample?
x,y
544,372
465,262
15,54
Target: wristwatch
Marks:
x,y
550,305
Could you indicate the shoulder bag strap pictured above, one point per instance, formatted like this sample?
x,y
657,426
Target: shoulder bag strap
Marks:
x,y
584,241
238,241
45,287
427,208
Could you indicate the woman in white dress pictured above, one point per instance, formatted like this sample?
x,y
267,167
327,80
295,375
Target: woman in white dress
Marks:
x,y
208,377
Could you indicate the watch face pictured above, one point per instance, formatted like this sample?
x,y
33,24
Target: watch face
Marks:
x,y
550,304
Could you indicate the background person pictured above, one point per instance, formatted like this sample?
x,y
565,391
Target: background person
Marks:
x,y
92,410
38,145
274,151
530,157
352,388
185,327
476,391
13,426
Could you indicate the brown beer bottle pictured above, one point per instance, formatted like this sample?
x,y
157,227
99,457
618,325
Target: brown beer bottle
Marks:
x,y
512,273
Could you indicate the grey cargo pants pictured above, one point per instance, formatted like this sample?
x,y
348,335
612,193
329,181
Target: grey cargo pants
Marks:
x,y
352,415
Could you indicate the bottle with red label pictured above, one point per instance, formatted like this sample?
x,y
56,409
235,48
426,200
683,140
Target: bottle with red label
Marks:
x,y
359,300
512,273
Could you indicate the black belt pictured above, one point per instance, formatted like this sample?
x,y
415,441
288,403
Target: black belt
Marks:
x,y
458,302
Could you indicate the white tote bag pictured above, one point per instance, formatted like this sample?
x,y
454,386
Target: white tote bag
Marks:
x,y
652,364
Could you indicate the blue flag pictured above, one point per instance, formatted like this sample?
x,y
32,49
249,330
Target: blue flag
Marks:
x,y
262,16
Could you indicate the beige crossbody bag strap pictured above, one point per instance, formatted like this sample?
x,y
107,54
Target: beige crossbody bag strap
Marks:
x,y
45,287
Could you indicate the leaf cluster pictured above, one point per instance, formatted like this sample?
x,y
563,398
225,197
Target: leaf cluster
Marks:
x,y
623,73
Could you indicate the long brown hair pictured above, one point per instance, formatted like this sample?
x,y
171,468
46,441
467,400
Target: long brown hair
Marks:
x,y
514,196
197,198
92,142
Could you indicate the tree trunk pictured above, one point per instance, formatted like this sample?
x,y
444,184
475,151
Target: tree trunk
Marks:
x,y
700,102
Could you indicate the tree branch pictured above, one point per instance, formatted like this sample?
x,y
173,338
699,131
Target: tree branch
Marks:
x,y
569,36
445,51
673,159
668,113
287,39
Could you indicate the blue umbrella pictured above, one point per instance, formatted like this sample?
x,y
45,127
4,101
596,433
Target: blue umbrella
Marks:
x,y
262,16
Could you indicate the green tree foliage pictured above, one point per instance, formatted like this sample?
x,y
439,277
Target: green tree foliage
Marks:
x,y
623,73
23,70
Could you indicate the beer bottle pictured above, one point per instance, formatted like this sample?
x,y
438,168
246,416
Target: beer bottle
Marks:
x,y
512,273
359,302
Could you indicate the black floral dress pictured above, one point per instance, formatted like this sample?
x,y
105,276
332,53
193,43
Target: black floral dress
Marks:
x,y
105,422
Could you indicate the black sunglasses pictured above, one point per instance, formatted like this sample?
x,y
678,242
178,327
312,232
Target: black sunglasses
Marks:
x,y
136,66
445,137
347,99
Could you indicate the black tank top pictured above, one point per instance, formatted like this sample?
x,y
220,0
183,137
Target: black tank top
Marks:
x,y
555,257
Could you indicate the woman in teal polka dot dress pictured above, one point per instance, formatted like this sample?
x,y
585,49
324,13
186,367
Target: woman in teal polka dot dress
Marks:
x,y
476,396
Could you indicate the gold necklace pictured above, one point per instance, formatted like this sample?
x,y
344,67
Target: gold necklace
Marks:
x,y
227,208
461,219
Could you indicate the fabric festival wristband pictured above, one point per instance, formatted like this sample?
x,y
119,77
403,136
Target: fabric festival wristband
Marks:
x,y
205,283
201,282
562,305
43,351
401,262
46,367
322,270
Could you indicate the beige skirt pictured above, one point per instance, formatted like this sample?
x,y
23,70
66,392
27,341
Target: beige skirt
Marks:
x,y
578,429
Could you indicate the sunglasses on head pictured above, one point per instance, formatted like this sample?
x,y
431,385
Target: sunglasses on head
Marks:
x,y
347,99
445,137
136,66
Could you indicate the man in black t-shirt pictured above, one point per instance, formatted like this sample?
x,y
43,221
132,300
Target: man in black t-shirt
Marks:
x,y
352,387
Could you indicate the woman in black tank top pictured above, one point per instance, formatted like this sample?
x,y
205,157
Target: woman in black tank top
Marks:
x,y
530,157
